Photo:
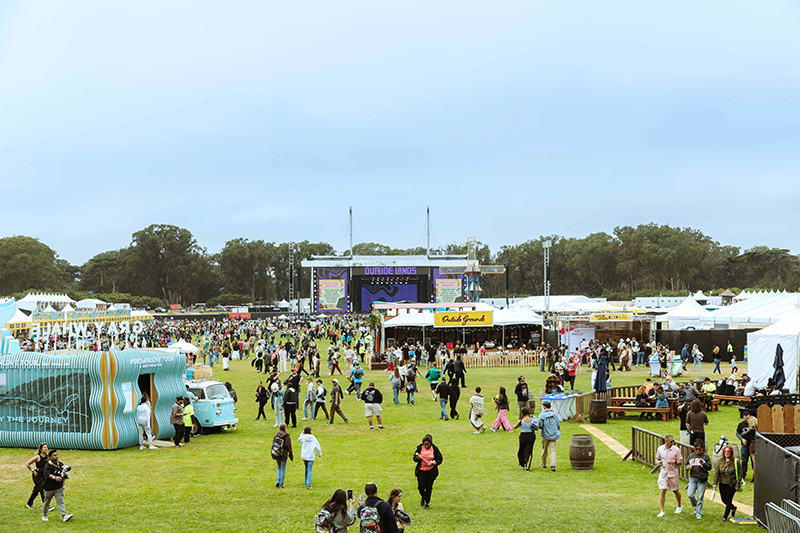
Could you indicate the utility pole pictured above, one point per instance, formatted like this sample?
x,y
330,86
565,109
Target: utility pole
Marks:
x,y
547,244
351,231
507,275
428,225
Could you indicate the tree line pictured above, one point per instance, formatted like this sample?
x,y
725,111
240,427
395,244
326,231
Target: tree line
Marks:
x,y
165,264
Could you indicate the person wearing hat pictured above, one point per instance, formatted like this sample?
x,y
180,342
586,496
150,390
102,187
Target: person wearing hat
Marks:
x,y
336,399
550,425
356,378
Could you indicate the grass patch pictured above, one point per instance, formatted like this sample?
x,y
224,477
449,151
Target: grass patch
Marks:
x,y
227,481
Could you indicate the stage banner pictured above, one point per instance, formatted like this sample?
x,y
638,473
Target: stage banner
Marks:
x,y
387,292
447,287
462,319
331,290
611,317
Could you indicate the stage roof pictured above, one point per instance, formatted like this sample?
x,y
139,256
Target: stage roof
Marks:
x,y
384,260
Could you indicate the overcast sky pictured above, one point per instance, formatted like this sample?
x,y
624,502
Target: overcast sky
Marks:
x,y
267,120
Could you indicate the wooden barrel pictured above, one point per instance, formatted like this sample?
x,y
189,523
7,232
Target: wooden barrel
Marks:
x,y
598,412
581,452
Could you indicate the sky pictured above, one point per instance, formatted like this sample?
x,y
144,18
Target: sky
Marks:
x,y
510,120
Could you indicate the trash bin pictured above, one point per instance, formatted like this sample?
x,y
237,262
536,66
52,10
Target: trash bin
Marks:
x,y
677,364
655,366
532,402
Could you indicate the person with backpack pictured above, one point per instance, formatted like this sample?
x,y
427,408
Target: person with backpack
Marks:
x,y
336,400
356,378
428,458
320,400
309,444
337,514
281,451
374,513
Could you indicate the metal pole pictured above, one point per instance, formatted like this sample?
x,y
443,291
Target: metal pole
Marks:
x,y
546,244
351,231
429,232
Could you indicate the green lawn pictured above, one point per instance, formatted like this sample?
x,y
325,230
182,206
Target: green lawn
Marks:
x,y
226,482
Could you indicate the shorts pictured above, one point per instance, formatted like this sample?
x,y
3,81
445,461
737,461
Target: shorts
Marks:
x,y
372,409
434,385
668,483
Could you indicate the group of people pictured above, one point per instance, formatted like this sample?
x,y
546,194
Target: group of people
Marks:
x,y
48,474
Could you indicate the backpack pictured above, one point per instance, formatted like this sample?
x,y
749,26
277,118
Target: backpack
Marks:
x,y
358,372
322,396
277,447
324,521
370,519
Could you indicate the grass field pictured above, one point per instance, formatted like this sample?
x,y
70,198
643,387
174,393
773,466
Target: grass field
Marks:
x,y
226,482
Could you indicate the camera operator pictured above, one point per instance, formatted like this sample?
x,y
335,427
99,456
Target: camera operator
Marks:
x,y
54,475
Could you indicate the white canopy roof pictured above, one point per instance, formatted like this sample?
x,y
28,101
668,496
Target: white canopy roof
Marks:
x,y
89,303
20,318
183,347
762,345
565,304
763,308
688,309
282,317
49,298
67,308
283,303
700,296
49,309
500,317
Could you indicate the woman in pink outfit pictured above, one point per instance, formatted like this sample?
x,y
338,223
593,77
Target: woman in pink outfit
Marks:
x,y
501,404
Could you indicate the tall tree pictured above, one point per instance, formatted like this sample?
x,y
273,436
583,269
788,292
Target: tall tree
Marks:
x,y
27,263
248,267
104,271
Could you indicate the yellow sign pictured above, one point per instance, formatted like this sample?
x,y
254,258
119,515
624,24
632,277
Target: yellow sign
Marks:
x,y
469,319
611,317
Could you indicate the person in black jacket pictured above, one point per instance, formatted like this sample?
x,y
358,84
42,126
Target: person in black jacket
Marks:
x,y
54,486
387,520
262,398
455,394
459,369
372,405
290,402
428,458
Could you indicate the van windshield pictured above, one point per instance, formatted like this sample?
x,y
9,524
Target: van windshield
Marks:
x,y
217,392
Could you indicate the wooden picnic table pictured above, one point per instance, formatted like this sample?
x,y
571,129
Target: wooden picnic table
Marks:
x,y
622,400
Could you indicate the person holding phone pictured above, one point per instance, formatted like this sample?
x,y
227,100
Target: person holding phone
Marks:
x,y
428,458
342,508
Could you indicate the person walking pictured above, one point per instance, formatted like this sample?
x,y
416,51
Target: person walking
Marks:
x,y
700,464
521,390
432,377
320,400
727,474
428,458
717,361
372,405
290,402
357,377
336,401
397,383
143,421
528,424
550,425
501,404
374,513
309,444
697,358
308,403
411,383
278,392
341,510
668,458
281,451
476,411
443,392
459,370
261,398
455,394
696,422
54,486
36,465
176,419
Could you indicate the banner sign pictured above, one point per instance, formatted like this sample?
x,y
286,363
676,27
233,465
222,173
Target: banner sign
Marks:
x,y
41,316
331,294
390,271
448,291
462,319
611,317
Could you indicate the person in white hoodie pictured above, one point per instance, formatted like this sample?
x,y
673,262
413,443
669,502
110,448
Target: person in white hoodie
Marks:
x,y
310,444
143,420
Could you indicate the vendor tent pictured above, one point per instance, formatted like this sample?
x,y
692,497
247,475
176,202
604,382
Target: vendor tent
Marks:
x,y
759,309
183,347
762,346
689,314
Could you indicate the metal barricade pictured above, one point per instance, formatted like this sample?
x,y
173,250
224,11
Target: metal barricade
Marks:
x,y
791,507
780,521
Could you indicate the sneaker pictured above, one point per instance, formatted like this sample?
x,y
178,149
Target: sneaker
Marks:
x,y
372,427
152,447
381,427
141,447
346,421
483,429
476,432
51,508
45,519
659,515
724,518
494,430
552,469
29,506
67,518
304,419
678,510
698,516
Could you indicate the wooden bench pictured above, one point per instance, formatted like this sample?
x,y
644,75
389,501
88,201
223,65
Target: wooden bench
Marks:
x,y
620,410
735,399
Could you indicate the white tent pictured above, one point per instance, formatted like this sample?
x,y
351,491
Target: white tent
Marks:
x,y
565,304
67,309
19,318
183,347
283,304
762,308
689,314
49,309
761,347
516,317
414,320
283,317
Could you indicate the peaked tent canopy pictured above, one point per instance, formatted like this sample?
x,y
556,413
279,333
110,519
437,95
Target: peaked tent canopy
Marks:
x,y
762,345
688,314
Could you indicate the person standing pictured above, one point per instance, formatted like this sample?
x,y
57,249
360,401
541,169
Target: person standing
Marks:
x,y
528,424
342,511
176,419
521,390
397,383
443,392
372,405
700,464
455,394
143,421
432,377
727,476
501,404
717,361
741,432
320,400
308,403
278,392
729,349
668,457
428,458
411,383
261,398
572,370
36,465
188,412
476,411
459,370
550,425
696,422
374,511
309,444
54,486
290,402
357,377
336,400
281,451
685,356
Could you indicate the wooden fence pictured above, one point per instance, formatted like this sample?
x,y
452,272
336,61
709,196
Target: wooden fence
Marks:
x,y
497,359
644,445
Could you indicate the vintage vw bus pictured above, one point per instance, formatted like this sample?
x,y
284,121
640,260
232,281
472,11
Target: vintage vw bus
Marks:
x,y
214,406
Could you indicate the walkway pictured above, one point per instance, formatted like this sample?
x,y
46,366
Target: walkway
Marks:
x,y
622,451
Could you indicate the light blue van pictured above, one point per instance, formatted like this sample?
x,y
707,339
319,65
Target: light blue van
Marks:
x,y
214,406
